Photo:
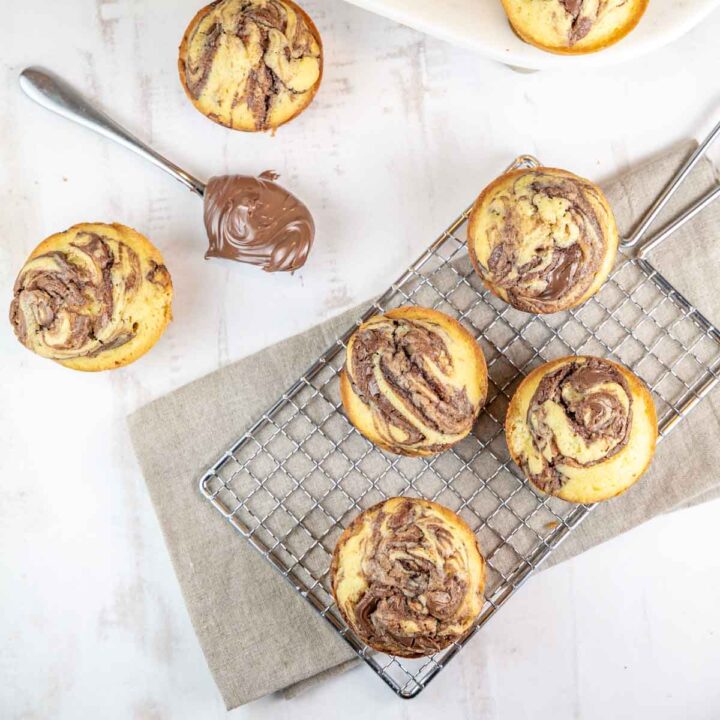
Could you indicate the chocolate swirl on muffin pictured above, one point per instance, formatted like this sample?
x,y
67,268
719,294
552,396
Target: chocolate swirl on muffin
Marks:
x,y
419,379
404,353
582,428
76,298
408,577
254,220
251,64
542,240
580,415
582,17
573,26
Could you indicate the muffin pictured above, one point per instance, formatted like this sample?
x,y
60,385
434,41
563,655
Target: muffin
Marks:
x,y
414,381
94,297
573,26
582,428
543,239
251,64
408,577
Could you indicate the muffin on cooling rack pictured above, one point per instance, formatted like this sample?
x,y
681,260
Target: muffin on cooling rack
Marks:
x,y
582,428
573,26
414,381
94,297
251,64
408,577
542,239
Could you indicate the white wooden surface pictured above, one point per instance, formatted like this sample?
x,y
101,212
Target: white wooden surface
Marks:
x,y
404,132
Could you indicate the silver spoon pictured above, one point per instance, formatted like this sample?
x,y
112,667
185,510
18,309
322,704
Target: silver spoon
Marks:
x,y
55,94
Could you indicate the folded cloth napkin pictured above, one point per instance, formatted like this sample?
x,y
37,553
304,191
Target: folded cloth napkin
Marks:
x,y
257,634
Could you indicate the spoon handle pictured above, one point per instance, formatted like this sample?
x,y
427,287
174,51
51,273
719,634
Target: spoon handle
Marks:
x,y
56,95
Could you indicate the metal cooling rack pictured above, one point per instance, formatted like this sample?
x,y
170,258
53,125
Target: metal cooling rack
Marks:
x,y
302,472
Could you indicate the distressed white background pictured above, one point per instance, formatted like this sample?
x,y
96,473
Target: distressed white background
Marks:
x,y
404,132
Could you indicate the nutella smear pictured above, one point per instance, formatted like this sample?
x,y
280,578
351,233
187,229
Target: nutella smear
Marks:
x,y
254,220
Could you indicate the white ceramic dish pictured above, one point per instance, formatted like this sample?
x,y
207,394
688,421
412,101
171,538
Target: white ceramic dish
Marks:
x,y
481,25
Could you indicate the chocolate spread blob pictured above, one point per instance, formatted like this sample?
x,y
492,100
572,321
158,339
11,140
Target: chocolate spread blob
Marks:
x,y
256,221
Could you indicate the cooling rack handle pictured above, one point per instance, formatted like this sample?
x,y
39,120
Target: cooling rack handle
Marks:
x,y
522,162
644,246
652,242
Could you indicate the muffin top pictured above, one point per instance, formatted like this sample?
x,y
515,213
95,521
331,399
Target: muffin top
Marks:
x,y
542,239
414,380
574,26
92,295
582,428
408,577
579,414
251,64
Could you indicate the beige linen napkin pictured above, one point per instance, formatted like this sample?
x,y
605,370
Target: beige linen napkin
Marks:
x,y
257,634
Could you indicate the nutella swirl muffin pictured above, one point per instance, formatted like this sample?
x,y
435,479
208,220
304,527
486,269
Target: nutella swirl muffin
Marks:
x,y
573,26
251,64
408,577
94,297
414,381
543,240
582,428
